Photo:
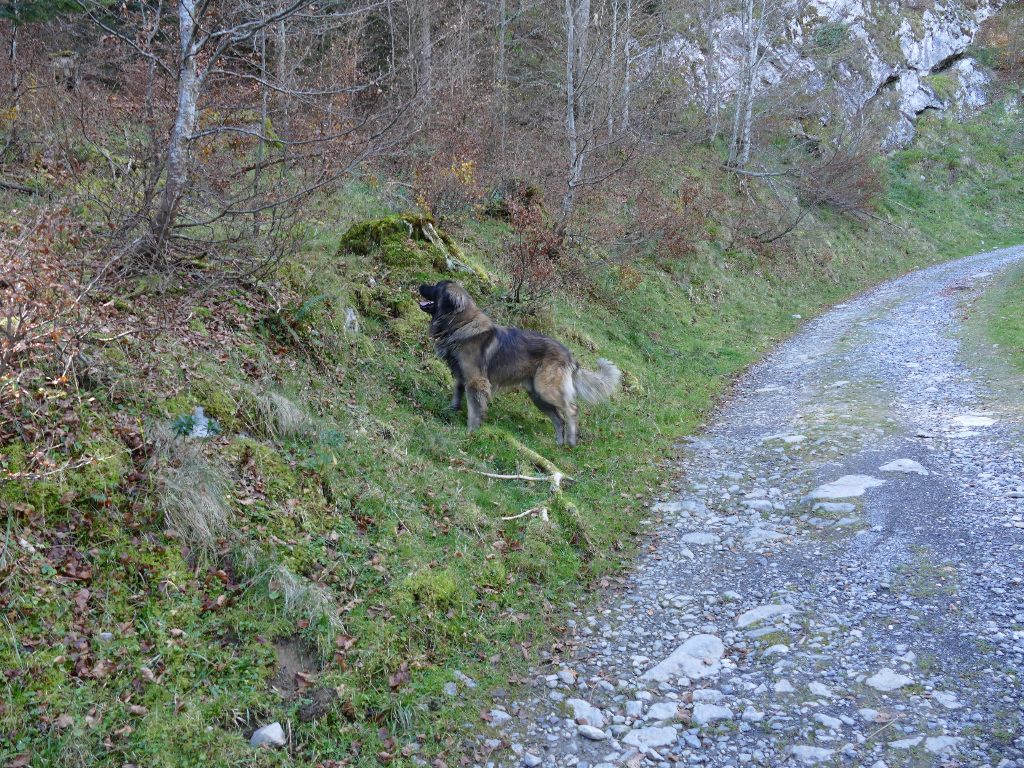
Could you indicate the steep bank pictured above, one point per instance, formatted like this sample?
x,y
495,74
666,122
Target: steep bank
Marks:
x,y
345,531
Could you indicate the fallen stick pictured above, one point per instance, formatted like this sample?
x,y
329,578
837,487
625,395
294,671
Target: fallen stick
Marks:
x,y
541,511
530,478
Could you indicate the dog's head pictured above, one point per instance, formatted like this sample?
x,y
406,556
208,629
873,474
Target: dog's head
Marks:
x,y
444,298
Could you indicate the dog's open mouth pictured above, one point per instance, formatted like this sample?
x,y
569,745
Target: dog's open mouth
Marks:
x,y
426,306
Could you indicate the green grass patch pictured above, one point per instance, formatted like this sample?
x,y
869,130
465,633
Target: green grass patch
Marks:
x,y
1002,309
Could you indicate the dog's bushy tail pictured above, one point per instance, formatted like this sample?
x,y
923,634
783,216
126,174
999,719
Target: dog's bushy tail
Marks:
x,y
595,386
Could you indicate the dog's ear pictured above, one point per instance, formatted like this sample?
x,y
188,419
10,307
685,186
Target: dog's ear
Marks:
x,y
458,298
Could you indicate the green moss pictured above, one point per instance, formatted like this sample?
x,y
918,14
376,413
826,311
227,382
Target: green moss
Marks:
x,y
778,637
281,480
436,590
831,37
218,398
397,241
944,84
108,461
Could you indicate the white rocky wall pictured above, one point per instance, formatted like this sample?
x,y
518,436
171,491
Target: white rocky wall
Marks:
x,y
896,50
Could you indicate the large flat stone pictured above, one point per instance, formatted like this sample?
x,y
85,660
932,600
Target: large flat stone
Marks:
x,y
651,738
846,487
700,656
907,466
763,613
585,713
888,680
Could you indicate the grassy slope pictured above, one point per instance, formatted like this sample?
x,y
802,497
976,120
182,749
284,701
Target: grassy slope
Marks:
x,y
1002,310
376,503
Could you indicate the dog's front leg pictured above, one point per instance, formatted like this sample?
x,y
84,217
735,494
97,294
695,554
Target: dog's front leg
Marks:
x,y
460,390
478,393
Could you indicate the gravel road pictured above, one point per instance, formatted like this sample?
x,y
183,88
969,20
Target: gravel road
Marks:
x,y
840,580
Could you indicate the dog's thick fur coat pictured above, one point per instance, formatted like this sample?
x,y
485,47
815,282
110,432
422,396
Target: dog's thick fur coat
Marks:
x,y
485,358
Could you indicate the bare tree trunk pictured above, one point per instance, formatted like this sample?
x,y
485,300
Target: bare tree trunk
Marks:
x,y
743,110
151,23
582,34
501,76
613,50
424,49
627,73
282,77
264,123
713,92
187,111
575,158
12,132
752,57
734,137
13,57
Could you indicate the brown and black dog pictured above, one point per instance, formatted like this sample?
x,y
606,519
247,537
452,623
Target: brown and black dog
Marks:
x,y
485,358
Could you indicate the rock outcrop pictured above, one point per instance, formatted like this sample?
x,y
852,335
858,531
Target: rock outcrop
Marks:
x,y
894,59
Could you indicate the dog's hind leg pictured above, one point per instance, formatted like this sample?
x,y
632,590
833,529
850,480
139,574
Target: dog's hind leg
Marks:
x,y
569,411
478,394
552,413
570,415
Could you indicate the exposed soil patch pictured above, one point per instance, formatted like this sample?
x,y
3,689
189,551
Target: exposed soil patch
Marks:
x,y
297,666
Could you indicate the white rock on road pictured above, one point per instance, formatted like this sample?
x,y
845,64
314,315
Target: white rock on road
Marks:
x,y
651,738
908,743
819,689
907,466
809,755
888,680
947,699
763,613
939,744
585,713
696,658
973,420
709,713
592,733
700,539
833,723
846,487
663,712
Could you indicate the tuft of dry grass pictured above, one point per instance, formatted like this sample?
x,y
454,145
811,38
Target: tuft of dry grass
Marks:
x,y
280,417
190,492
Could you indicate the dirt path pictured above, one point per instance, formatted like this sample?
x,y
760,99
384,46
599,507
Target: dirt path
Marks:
x,y
809,601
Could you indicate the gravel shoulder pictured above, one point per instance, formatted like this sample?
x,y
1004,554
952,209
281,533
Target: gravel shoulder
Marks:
x,y
839,580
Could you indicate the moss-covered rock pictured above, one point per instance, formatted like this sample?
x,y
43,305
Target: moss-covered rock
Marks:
x,y
398,241
410,243
399,253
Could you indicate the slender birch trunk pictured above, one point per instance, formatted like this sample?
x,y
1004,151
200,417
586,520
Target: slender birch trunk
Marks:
x,y
501,76
613,50
752,56
424,48
571,133
186,114
264,122
281,53
627,63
